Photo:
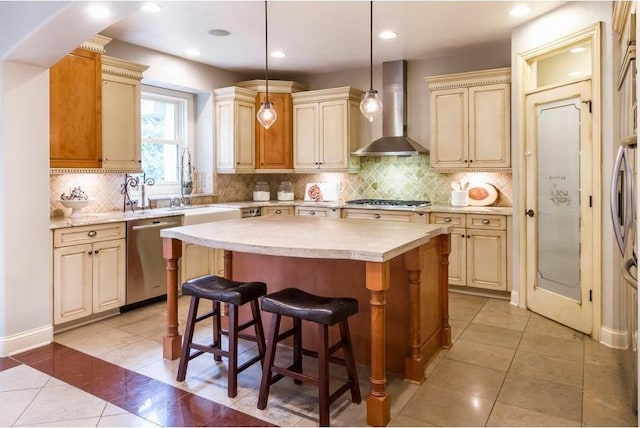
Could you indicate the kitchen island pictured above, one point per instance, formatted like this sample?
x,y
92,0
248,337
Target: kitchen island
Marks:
x,y
397,271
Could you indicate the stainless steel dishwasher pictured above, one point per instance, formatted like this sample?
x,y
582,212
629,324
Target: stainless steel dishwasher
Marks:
x,y
146,268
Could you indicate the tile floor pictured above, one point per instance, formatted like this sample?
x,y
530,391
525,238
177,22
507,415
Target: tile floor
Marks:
x,y
507,367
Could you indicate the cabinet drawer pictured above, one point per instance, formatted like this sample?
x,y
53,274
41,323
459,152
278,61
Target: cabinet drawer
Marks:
x,y
458,220
403,216
318,212
479,221
277,210
88,234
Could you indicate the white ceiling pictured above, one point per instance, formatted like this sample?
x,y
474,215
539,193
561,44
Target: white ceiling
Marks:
x,y
320,36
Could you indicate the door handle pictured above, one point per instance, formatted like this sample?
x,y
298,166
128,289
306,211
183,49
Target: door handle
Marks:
x,y
530,212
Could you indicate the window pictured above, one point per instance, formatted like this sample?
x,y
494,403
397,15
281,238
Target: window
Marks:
x,y
165,119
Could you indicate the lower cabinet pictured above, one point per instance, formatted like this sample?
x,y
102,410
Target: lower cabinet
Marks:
x,y
318,212
89,271
385,215
479,256
198,261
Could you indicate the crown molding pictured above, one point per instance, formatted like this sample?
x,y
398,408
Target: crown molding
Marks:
x,y
341,93
473,78
119,67
275,86
96,44
235,93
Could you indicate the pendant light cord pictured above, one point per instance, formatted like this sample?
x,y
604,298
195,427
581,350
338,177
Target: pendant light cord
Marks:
x,y
266,52
371,45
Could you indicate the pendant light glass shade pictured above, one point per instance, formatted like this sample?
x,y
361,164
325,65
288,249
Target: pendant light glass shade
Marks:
x,y
267,114
371,104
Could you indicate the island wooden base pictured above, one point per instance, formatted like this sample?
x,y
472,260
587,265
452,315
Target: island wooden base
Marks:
x,y
403,307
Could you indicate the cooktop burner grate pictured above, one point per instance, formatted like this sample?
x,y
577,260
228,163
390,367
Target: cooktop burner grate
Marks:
x,y
390,202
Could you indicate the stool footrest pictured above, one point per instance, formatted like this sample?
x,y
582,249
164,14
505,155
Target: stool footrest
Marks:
x,y
208,349
314,354
248,363
205,316
295,375
344,388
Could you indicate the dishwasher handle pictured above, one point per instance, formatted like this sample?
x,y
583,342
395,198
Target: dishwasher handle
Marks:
x,y
154,225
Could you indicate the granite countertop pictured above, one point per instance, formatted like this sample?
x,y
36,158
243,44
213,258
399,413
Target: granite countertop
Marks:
x,y
116,216
308,237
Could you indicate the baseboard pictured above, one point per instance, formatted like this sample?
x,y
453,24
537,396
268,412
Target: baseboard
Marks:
x,y
26,340
515,298
613,338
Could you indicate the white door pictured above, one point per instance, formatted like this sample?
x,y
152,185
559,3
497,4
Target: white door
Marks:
x,y
558,204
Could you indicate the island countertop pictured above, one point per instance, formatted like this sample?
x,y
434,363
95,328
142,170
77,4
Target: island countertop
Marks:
x,y
351,239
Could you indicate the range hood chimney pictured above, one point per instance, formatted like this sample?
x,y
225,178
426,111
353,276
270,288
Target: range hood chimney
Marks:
x,y
394,141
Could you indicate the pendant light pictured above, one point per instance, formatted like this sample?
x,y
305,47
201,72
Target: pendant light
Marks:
x,y
267,114
371,105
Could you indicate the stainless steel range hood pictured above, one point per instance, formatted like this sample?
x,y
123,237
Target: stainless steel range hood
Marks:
x,y
394,116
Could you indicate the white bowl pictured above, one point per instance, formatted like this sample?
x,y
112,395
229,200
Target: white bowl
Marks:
x,y
76,205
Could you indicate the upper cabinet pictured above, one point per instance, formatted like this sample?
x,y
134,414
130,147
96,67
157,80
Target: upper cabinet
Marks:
x,y
273,146
470,116
121,114
235,129
326,129
75,112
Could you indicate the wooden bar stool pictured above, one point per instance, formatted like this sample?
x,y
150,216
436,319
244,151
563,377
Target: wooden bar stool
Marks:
x,y
325,312
236,294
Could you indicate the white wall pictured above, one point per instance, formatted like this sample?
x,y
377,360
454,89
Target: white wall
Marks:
x,y
572,17
25,245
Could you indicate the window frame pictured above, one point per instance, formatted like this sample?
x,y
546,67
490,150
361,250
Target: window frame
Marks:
x,y
184,130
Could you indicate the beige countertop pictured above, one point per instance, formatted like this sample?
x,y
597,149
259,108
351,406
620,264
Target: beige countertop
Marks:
x,y
293,236
116,216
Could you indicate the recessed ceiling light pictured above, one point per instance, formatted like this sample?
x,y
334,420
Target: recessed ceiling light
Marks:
x,y
521,10
192,52
278,54
388,35
98,11
219,32
575,73
151,7
578,50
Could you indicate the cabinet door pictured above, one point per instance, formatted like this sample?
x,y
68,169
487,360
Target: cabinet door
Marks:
x,y
333,137
273,145
487,259
235,136
489,126
305,136
449,128
109,275
195,261
75,120
72,282
458,257
120,123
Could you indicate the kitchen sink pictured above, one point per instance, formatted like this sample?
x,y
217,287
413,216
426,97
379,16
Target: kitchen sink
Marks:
x,y
203,214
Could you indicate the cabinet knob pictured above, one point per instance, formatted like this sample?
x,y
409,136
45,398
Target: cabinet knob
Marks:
x,y
90,252
96,251
485,221
470,160
312,213
140,161
92,233
462,236
376,216
447,220
237,163
465,161
278,211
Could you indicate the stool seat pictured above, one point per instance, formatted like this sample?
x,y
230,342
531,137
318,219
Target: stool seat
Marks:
x,y
296,303
224,290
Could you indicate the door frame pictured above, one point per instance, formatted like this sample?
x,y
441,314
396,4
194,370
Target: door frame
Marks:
x,y
525,82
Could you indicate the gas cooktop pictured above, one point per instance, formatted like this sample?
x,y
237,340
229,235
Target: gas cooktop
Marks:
x,y
389,202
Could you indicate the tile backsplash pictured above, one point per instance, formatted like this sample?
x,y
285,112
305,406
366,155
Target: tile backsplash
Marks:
x,y
389,177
